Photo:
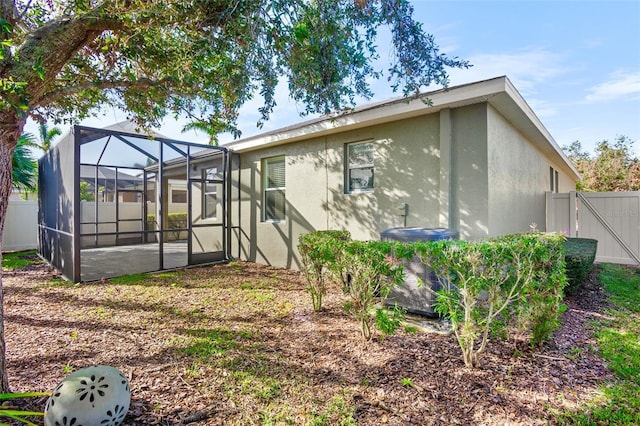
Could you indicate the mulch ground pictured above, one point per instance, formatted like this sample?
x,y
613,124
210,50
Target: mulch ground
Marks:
x,y
278,361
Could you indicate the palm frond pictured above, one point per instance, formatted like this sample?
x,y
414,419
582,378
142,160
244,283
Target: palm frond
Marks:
x,y
25,168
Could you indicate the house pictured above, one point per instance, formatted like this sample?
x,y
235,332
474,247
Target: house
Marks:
x,y
101,181
473,158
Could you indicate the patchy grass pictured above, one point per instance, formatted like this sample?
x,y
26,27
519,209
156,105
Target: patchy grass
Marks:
x,y
207,344
19,259
619,343
240,344
131,279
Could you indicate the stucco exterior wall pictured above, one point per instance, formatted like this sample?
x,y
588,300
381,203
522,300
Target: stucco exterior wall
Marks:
x,y
273,242
466,168
406,170
519,176
566,183
469,165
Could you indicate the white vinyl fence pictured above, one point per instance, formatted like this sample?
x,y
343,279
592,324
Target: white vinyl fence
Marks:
x,y
20,226
612,218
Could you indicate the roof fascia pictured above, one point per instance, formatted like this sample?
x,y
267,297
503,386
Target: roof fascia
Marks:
x,y
514,107
499,92
384,112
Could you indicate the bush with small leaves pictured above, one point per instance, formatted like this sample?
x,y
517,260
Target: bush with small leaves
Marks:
x,y
388,320
372,273
321,253
489,285
541,306
579,258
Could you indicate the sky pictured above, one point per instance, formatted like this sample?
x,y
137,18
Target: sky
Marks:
x,y
576,63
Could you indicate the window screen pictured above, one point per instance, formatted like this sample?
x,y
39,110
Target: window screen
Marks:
x,y
359,161
178,195
274,183
553,180
209,193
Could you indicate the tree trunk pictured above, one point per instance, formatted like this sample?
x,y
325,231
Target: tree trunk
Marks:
x,y
11,126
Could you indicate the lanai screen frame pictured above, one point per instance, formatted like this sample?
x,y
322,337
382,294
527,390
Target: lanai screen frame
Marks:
x,y
59,217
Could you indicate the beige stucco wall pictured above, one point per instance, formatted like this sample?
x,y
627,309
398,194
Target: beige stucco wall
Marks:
x,y
205,236
518,177
566,183
491,181
469,212
406,169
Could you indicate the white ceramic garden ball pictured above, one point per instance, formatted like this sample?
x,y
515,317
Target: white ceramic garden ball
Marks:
x,y
92,396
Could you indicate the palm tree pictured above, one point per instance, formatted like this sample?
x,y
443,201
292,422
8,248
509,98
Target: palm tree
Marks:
x,y
212,128
47,135
25,168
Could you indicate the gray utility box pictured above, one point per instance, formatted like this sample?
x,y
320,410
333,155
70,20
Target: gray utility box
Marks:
x,y
415,298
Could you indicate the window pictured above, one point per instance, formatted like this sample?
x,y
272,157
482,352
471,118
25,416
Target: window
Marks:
x,y
178,196
273,184
553,179
359,167
209,193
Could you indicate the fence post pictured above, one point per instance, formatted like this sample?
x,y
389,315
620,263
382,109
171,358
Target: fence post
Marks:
x,y
550,224
573,213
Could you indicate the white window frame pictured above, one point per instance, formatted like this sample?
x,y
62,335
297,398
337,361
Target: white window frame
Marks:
x,y
209,177
266,162
554,179
180,192
348,167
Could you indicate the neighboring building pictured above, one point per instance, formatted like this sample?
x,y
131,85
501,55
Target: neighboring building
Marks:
x,y
474,158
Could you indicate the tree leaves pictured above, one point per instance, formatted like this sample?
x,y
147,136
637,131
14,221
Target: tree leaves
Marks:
x,y
25,169
206,58
613,167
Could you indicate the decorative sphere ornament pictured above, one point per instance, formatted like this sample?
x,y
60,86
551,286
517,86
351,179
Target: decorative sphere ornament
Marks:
x,y
92,396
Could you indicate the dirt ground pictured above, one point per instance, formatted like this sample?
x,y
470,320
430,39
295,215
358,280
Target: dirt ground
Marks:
x,y
240,344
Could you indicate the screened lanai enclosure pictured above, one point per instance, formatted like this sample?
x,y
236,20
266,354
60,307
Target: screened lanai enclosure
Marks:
x,y
113,203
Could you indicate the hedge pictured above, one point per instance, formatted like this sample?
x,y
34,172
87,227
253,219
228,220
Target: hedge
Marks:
x,y
580,253
174,221
492,287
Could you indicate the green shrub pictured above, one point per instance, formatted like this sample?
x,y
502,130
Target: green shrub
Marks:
x,y
372,272
151,222
174,221
321,256
579,258
177,221
389,320
541,306
489,285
